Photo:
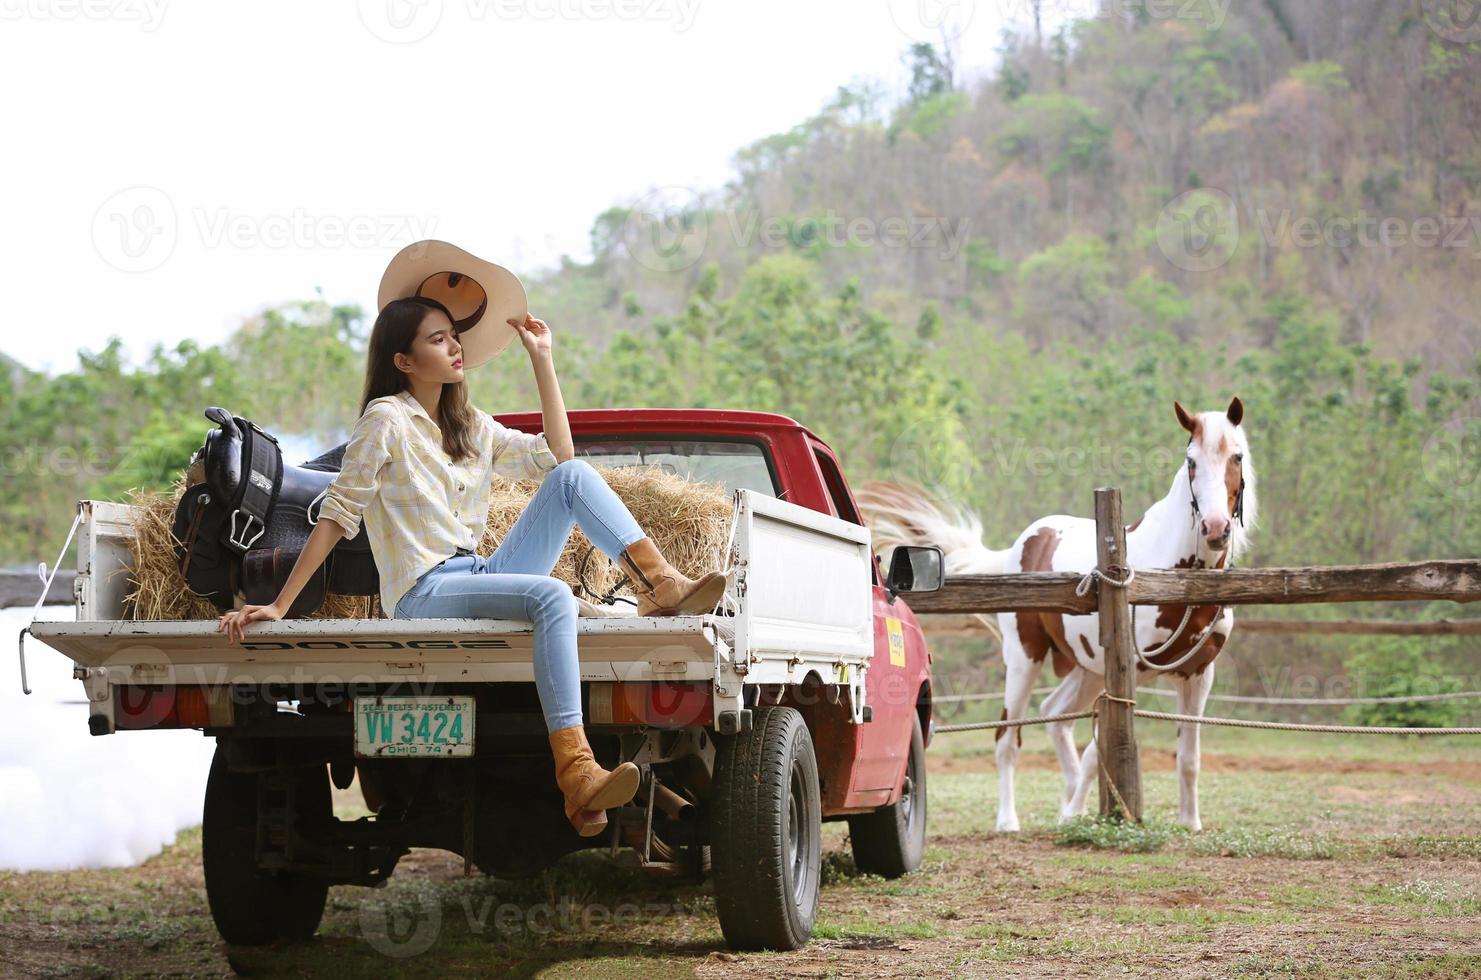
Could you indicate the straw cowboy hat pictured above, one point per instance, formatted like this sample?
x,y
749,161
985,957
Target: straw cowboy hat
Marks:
x,y
480,296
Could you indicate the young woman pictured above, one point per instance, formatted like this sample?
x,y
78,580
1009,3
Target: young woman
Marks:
x,y
418,469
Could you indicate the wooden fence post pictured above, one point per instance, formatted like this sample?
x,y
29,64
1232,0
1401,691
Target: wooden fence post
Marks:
x,y
1118,751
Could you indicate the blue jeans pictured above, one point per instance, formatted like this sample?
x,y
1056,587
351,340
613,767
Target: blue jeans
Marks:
x,y
515,582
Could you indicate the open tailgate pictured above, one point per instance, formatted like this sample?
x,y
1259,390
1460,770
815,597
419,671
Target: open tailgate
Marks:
x,y
312,650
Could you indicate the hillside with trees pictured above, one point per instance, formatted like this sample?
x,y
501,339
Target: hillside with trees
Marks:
x,y
999,288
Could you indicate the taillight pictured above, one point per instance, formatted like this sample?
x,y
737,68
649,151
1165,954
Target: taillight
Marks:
x,y
137,706
660,704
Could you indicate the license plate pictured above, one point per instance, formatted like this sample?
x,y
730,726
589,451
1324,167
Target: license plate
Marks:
x,y
414,727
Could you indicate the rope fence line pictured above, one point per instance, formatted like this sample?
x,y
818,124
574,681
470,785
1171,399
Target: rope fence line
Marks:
x,y
1015,723
1287,726
1284,726
1251,699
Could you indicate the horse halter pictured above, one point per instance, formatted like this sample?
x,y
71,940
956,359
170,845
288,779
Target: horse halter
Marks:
x,y
1237,513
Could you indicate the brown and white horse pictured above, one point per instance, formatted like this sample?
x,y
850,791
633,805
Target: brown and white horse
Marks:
x,y
1203,522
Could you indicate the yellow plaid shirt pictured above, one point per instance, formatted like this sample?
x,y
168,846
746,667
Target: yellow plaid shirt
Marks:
x,y
418,506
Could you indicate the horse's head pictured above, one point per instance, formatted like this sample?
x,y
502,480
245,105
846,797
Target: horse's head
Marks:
x,y
1221,477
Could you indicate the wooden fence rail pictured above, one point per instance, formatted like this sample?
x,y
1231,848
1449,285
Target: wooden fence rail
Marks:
x,y
22,588
1363,627
967,626
1457,580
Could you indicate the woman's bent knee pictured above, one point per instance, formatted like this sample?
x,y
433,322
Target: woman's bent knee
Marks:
x,y
574,468
554,597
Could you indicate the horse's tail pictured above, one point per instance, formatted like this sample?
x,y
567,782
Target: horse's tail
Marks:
x,y
905,513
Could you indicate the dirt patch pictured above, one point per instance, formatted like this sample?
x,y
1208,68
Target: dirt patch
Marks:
x,y
984,904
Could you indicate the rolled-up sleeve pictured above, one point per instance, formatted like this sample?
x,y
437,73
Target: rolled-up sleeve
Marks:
x,y
366,455
518,455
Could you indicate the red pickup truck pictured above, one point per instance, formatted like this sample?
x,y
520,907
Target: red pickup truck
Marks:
x,y
807,699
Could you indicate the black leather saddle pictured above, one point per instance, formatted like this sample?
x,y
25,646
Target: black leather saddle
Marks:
x,y
246,515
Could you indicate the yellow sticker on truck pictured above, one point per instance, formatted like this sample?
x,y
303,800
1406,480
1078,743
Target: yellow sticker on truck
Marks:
x,y
896,632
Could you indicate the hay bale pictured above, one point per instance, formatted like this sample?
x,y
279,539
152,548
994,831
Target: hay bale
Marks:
x,y
690,523
159,591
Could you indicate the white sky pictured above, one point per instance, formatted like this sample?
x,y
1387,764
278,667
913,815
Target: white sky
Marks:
x,y
172,166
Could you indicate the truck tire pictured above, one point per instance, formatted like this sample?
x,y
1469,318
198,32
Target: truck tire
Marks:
x,y
251,906
766,832
889,842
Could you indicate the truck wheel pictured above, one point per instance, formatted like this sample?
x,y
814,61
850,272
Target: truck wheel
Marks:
x,y
251,906
889,841
766,832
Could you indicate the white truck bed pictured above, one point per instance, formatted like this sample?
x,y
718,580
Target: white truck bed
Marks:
x,y
800,585
193,652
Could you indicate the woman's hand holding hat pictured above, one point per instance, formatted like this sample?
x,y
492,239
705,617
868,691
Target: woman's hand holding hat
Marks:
x,y
534,333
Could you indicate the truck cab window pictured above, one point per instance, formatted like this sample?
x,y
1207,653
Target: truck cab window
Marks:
x,y
838,498
839,502
735,464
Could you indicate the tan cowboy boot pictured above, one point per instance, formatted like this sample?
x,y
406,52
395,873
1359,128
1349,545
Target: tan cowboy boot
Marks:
x,y
590,790
661,589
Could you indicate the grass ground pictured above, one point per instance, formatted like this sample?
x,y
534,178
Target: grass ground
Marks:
x,y
1323,856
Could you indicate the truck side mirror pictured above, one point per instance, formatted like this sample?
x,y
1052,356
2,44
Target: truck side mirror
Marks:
x,y
915,568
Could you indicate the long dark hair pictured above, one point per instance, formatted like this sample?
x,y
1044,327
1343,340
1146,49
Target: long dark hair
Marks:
x,y
393,333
